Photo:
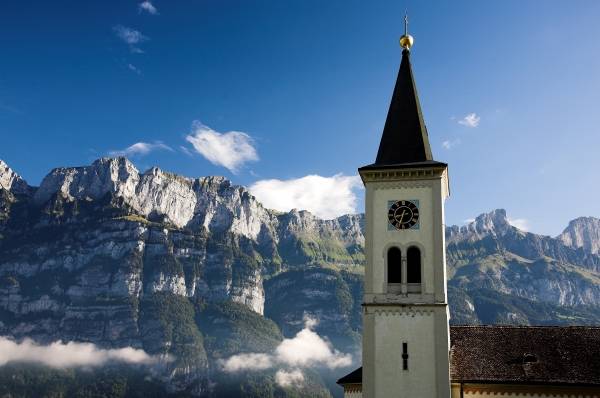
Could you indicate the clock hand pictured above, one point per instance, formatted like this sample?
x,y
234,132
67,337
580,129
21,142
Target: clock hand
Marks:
x,y
402,216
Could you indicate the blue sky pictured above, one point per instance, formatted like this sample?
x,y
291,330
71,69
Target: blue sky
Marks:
x,y
306,86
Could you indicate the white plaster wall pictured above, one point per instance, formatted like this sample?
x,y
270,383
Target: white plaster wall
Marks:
x,y
383,237
391,332
421,320
429,237
388,330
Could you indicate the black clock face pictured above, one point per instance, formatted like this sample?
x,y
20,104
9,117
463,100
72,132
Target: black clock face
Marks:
x,y
403,214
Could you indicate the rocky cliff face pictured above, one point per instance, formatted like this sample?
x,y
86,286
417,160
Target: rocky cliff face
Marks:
x,y
11,181
108,255
493,224
210,202
583,232
502,274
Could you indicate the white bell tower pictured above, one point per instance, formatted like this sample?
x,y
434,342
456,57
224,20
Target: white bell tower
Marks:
x,y
405,310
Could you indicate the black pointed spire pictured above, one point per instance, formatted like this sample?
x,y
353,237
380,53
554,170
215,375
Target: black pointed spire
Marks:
x,y
404,138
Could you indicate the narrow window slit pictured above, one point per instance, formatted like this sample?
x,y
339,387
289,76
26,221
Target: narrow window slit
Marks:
x,y
405,356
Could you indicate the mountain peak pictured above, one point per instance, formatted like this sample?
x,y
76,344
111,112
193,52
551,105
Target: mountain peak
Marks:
x,y
493,223
583,220
11,181
582,232
209,201
107,160
117,175
496,220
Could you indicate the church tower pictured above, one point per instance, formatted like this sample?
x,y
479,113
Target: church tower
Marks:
x,y
405,308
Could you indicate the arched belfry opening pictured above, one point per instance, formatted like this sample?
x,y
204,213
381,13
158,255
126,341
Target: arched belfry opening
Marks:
x,y
394,266
413,269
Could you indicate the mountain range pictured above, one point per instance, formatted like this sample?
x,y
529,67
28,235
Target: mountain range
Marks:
x,y
197,271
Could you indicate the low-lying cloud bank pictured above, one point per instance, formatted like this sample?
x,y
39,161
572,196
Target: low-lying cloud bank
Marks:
x,y
288,379
305,350
71,354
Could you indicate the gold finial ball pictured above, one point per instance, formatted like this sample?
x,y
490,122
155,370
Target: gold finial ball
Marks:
x,y
406,42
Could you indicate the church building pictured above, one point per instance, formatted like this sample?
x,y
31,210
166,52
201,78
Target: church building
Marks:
x,y
409,349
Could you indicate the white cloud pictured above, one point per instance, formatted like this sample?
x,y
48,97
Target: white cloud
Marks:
x,y
147,6
310,322
449,144
326,197
520,223
67,355
141,148
134,69
252,361
468,220
306,349
471,120
130,36
288,379
185,150
231,150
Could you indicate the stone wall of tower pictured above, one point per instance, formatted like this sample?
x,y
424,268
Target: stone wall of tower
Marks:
x,y
429,237
418,320
424,331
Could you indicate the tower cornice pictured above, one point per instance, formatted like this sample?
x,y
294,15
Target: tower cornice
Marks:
x,y
416,171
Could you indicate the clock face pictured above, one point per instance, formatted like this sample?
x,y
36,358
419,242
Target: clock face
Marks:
x,y
403,214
